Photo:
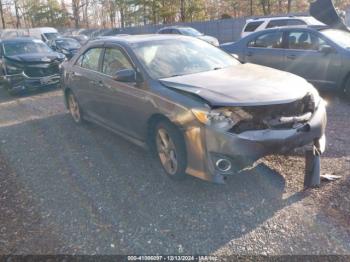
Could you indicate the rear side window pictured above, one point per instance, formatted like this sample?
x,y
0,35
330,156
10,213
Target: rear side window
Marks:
x,y
114,61
277,23
285,22
252,26
90,59
268,40
292,22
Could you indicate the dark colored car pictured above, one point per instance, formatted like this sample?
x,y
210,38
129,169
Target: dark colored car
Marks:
x,y
82,39
28,64
188,31
203,112
67,46
320,55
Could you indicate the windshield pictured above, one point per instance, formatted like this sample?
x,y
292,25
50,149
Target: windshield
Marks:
x,y
189,31
168,58
341,38
19,48
51,36
68,43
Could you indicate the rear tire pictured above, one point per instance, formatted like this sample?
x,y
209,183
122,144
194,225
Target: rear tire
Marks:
x,y
74,108
347,89
170,149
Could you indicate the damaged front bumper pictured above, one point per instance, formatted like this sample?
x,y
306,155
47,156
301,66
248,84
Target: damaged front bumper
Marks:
x,y
214,155
21,82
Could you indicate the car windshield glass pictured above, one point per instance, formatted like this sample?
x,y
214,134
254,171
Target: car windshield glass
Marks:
x,y
19,48
341,38
68,43
190,31
51,36
168,58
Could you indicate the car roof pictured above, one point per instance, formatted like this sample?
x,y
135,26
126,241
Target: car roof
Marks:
x,y
276,18
131,39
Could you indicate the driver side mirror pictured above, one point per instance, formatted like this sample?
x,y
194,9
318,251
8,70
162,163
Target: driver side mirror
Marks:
x,y
127,76
326,49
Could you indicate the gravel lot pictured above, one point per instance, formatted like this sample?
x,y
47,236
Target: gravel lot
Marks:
x,y
83,190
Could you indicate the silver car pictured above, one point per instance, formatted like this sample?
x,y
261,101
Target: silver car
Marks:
x,y
320,55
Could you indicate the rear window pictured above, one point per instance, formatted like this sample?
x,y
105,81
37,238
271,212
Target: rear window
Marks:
x,y
252,26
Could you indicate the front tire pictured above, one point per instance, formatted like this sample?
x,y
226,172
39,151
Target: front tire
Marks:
x,y
74,108
171,150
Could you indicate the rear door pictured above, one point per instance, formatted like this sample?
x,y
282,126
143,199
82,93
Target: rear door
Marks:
x,y
83,77
304,58
266,49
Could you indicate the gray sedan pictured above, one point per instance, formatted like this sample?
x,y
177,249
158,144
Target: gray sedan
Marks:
x,y
320,55
202,112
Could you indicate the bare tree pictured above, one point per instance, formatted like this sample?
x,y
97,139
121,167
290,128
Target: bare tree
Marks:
x,y
2,15
289,6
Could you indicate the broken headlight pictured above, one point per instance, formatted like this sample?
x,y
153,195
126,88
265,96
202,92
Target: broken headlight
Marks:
x,y
223,118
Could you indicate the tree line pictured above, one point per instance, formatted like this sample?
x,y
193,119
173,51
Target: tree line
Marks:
x,y
124,13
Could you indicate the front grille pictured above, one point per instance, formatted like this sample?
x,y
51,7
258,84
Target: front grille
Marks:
x,y
42,71
281,116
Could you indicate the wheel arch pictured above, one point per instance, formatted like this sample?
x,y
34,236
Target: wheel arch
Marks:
x,y
151,124
343,83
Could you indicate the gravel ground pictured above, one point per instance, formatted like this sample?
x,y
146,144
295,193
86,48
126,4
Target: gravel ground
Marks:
x,y
68,189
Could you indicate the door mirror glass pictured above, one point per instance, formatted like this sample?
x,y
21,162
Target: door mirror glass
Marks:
x,y
125,75
326,49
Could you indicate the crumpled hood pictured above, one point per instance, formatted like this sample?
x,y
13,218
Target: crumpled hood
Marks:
x,y
36,57
242,85
324,11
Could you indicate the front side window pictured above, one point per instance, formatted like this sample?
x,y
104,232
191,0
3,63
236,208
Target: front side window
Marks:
x,y
301,40
114,61
167,58
91,59
268,40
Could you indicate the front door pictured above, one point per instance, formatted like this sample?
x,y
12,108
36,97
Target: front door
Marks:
x,y
303,57
125,104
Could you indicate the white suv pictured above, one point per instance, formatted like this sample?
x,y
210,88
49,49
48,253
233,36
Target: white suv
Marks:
x,y
258,24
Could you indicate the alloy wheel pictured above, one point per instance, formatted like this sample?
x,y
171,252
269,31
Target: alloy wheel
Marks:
x,y
74,108
166,151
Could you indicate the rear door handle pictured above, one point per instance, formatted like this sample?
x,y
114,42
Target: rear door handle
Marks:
x,y
292,57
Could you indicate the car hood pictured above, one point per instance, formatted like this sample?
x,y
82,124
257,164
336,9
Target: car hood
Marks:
x,y
36,57
324,11
242,85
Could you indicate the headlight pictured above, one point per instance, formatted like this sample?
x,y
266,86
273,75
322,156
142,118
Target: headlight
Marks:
x,y
65,51
223,118
13,70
